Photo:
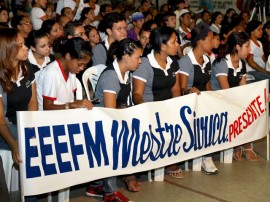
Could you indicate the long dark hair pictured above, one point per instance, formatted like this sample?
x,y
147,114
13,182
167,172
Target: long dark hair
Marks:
x,y
9,50
235,38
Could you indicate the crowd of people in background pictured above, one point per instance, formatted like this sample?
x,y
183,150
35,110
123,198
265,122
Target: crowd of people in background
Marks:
x,y
151,54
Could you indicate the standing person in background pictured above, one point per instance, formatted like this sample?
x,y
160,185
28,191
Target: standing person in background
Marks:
x,y
157,77
216,20
37,14
256,59
229,70
195,72
17,91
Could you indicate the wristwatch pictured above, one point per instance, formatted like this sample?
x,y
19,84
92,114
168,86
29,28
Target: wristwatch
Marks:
x,y
67,105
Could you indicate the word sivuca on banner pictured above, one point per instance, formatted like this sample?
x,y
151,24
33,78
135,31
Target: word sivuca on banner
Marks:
x,y
68,147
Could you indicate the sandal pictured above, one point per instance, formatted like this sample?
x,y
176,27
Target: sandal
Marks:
x,y
132,183
176,173
250,155
237,155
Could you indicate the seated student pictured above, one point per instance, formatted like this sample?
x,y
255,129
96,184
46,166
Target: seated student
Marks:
x,y
53,30
113,90
67,11
23,24
181,4
37,14
205,17
92,34
76,7
63,20
157,77
137,19
256,59
17,91
87,16
228,71
169,19
93,4
183,30
57,83
39,51
114,25
216,20
195,72
4,18
75,29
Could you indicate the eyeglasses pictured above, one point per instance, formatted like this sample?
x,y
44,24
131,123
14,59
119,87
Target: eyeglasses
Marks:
x,y
79,34
26,23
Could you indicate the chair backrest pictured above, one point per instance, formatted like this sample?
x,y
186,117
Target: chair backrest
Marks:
x,y
79,92
92,74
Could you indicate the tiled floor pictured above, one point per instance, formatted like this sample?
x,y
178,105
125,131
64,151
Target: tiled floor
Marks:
x,y
240,181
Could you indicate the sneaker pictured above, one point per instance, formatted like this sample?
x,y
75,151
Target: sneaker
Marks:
x,y
115,197
97,191
208,166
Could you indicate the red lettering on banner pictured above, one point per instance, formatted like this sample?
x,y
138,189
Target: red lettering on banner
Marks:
x,y
253,111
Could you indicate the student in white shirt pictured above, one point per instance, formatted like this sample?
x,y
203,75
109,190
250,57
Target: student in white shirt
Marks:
x,y
37,14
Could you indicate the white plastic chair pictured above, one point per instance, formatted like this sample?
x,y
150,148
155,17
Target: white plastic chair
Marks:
x,y
11,172
79,92
92,74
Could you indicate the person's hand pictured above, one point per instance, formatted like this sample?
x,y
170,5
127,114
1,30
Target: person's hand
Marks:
x,y
15,153
82,104
195,90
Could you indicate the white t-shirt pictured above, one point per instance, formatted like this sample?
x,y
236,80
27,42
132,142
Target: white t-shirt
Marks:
x,y
36,15
71,4
54,85
257,52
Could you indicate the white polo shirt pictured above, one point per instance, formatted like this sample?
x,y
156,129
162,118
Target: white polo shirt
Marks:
x,y
55,85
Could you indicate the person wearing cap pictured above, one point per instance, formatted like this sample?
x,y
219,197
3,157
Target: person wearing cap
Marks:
x,y
137,21
256,59
180,5
183,30
195,72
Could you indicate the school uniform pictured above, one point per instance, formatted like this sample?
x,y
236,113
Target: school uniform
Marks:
x,y
111,81
225,68
17,100
198,75
158,81
55,85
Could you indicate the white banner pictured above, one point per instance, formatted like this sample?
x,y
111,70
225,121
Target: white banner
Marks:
x,y
69,147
